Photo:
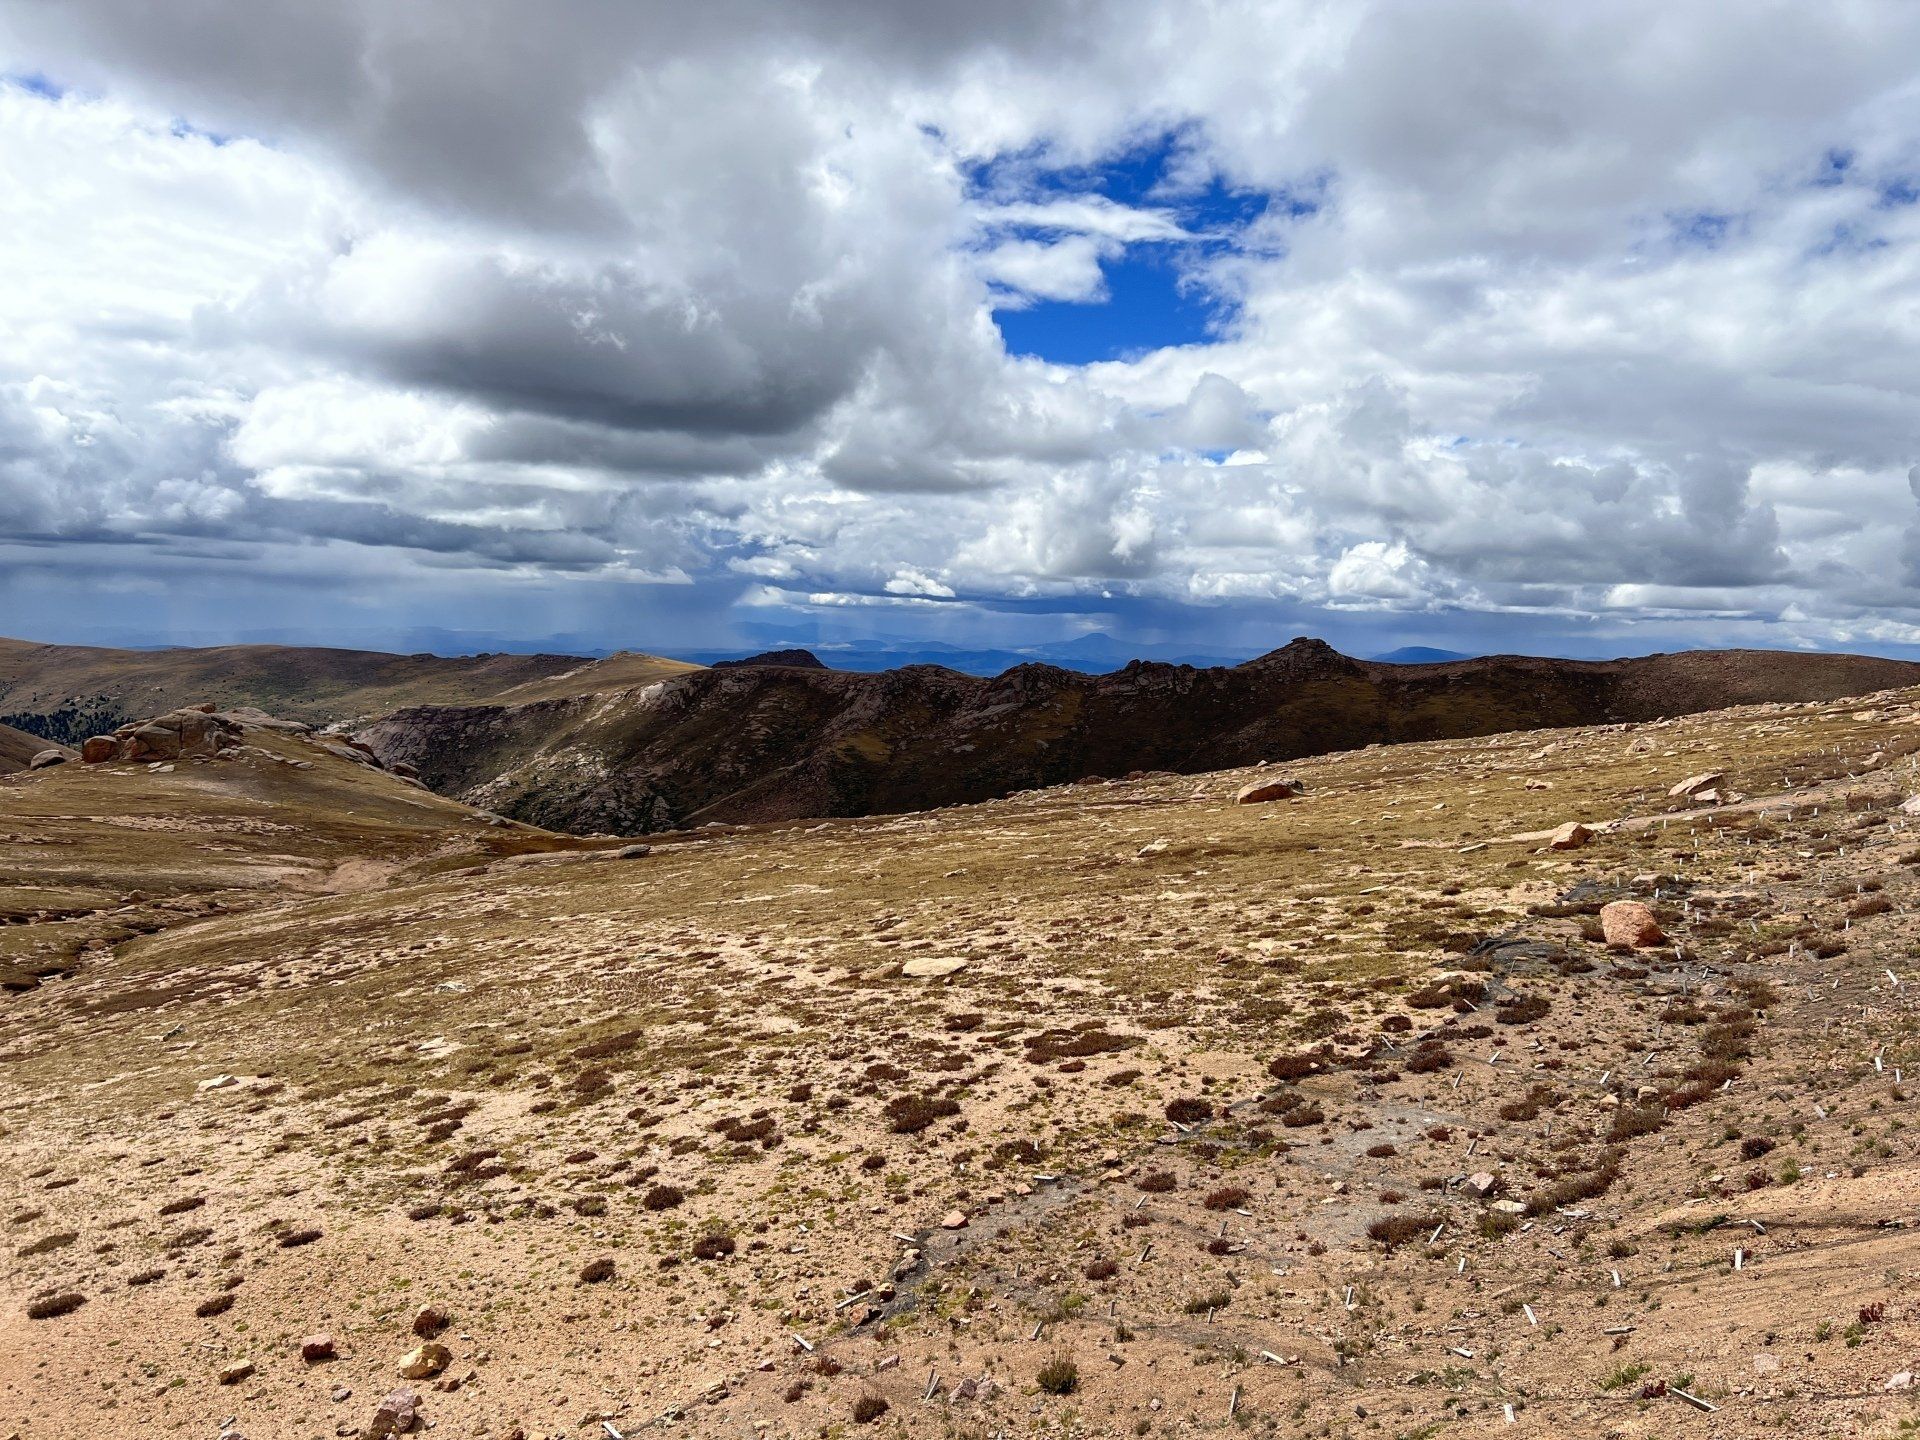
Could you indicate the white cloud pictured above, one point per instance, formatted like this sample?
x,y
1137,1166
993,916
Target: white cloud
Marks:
x,y
1578,310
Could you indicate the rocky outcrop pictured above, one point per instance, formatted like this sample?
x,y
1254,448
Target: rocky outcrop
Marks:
x,y
200,732
177,735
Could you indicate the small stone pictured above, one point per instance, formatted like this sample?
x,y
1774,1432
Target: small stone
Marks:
x,y
429,1321
396,1414
932,967
423,1362
1900,1380
953,1220
633,852
1482,1183
316,1348
234,1374
1570,836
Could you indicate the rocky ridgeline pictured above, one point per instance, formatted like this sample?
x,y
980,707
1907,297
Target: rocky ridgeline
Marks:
x,y
201,733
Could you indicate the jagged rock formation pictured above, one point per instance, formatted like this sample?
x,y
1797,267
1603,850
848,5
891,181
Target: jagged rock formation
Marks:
x,y
770,742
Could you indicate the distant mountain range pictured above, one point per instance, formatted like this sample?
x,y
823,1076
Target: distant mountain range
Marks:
x,y
633,743
1091,654
784,740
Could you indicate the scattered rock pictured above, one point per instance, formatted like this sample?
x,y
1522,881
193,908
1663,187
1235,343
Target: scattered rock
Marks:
x,y
1482,1183
234,1374
1630,923
47,759
932,967
1693,785
1570,836
633,852
316,1348
429,1321
423,1362
396,1414
954,1220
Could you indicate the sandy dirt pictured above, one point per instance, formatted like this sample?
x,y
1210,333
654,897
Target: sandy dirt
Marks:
x,y
1113,1109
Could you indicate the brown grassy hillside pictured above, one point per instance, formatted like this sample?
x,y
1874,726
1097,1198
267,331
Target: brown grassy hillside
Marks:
x,y
1115,1109
17,748
71,691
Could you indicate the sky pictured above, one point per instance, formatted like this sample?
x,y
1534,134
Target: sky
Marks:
x,y
1571,328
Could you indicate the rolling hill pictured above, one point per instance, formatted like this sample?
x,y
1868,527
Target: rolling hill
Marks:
x,y
17,747
68,692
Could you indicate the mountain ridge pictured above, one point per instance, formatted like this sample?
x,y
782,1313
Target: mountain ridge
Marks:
x,y
754,744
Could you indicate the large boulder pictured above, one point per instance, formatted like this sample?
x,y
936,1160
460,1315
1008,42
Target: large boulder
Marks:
x,y
99,749
1263,791
1630,923
1693,786
1570,836
47,759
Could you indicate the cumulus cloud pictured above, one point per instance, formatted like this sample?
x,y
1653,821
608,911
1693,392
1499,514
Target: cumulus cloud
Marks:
x,y
1595,312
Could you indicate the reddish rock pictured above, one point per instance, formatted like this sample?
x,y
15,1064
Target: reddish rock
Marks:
x,y
1629,923
1268,790
316,1348
429,1321
99,749
1570,836
396,1414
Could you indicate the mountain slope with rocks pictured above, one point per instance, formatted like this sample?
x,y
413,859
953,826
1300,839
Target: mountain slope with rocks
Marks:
x,y
68,692
197,812
768,742
1549,1084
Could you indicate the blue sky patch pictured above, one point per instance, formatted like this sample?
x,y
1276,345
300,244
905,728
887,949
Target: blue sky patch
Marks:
x,y
34,83
1147,307
1153,296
